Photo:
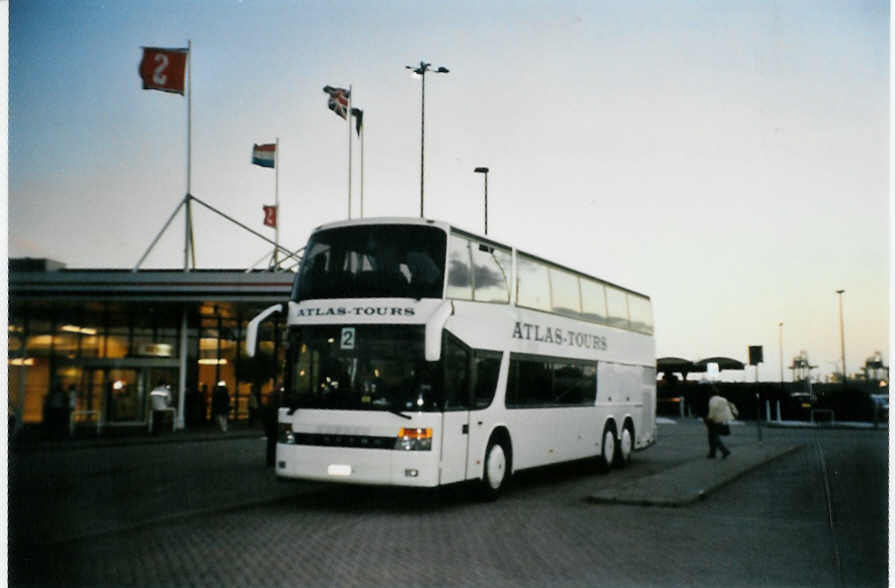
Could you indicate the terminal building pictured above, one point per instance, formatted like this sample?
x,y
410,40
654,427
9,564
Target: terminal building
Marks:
x,y
108,337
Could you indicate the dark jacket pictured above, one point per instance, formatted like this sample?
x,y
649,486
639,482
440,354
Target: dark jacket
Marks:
x,y
220,400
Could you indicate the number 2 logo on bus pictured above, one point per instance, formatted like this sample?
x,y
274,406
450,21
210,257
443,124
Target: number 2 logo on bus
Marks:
x,y
347,339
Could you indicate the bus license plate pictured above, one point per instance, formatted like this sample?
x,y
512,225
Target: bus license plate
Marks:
x,y
339,470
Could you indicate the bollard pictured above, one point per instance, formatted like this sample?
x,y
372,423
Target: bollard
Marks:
x,y
767,410
682,406
779,415
758,411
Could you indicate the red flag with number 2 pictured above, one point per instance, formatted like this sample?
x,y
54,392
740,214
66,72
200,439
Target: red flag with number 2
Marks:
x,y
163,69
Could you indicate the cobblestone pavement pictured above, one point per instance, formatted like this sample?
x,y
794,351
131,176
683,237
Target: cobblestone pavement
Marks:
x,y
815,517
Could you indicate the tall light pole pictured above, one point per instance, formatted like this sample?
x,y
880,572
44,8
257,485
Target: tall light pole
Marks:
x,y
780,326
421,72
484,171
842,336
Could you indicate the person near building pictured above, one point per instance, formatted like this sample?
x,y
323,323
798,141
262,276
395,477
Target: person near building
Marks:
x,y
220,405
72,398
56,412
720,412
253,406
160,400
203,403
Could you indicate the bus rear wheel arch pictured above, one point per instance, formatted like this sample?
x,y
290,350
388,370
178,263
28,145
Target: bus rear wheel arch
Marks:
x,y
498,465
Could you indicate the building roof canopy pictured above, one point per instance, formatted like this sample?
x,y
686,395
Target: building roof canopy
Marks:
x,y
724,363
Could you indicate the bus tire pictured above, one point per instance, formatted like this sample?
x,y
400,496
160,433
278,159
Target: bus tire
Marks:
x,y
497,469
625,446
607,447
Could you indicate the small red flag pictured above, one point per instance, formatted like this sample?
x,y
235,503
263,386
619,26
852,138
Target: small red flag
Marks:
x,y
163,69
270,216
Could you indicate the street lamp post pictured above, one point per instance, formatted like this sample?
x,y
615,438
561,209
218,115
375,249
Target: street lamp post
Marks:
x,y
780,326
842,337
421,72
484,171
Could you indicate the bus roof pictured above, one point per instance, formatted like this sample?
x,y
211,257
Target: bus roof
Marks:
x,y
449,228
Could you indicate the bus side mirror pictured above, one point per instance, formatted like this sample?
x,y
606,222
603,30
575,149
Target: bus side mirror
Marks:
x,y
434,327
252,330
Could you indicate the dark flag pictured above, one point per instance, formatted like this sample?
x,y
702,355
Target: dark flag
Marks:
x,y
163,69
338,100
358,114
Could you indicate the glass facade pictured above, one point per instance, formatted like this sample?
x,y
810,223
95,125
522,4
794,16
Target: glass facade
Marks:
x,y
106,356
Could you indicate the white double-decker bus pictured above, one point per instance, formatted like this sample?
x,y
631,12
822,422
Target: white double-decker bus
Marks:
x,y
420,354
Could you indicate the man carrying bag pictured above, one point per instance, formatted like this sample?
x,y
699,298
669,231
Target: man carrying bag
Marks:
x,y
721,412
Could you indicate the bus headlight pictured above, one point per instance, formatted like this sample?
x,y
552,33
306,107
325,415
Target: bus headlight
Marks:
x,y
285,434
414,439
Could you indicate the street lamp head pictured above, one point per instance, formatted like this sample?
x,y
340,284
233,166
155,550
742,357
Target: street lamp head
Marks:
x,y
481,170
839,291
423,67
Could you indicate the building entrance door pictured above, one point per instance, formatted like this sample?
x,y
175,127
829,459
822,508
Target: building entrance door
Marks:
x,y
122,393
156,376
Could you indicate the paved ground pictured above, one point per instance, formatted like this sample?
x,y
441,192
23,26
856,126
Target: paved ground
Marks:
x,y
209,514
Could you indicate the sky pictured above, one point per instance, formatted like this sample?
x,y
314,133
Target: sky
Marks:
x,y
730,160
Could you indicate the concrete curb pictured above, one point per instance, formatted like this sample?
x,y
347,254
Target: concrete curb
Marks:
x,y
126,441
883,426
691,481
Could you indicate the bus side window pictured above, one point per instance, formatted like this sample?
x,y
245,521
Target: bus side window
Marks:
x,y
617,304
456,375
531,383
459,271
487,368
511,398
641,314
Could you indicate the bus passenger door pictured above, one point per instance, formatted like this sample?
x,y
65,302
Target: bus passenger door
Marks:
x,y
455,418
485,378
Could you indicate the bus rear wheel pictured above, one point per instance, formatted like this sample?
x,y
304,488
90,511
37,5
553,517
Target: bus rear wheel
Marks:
x,y
607,450
496,471
625,445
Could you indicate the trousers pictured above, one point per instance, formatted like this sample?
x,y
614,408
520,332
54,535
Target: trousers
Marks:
x,y
715,442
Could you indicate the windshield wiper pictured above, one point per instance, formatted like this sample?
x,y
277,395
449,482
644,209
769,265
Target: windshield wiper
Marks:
x,y
399,413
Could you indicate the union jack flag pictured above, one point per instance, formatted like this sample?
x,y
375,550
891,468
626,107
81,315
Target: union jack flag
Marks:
x,y
338,100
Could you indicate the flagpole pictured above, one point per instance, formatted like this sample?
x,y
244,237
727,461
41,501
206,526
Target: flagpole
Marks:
x,y
184,322
189,156
348,120
362,171
276,196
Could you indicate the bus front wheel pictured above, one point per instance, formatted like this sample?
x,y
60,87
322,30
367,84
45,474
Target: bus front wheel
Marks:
x,y
496,469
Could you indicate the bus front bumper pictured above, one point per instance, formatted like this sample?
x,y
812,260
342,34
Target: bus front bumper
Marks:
x,y
384,467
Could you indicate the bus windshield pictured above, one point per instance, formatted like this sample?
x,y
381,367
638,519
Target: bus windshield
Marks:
x,y
373,261
362,367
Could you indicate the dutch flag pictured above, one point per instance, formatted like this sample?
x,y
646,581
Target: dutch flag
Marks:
x,y
264,155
